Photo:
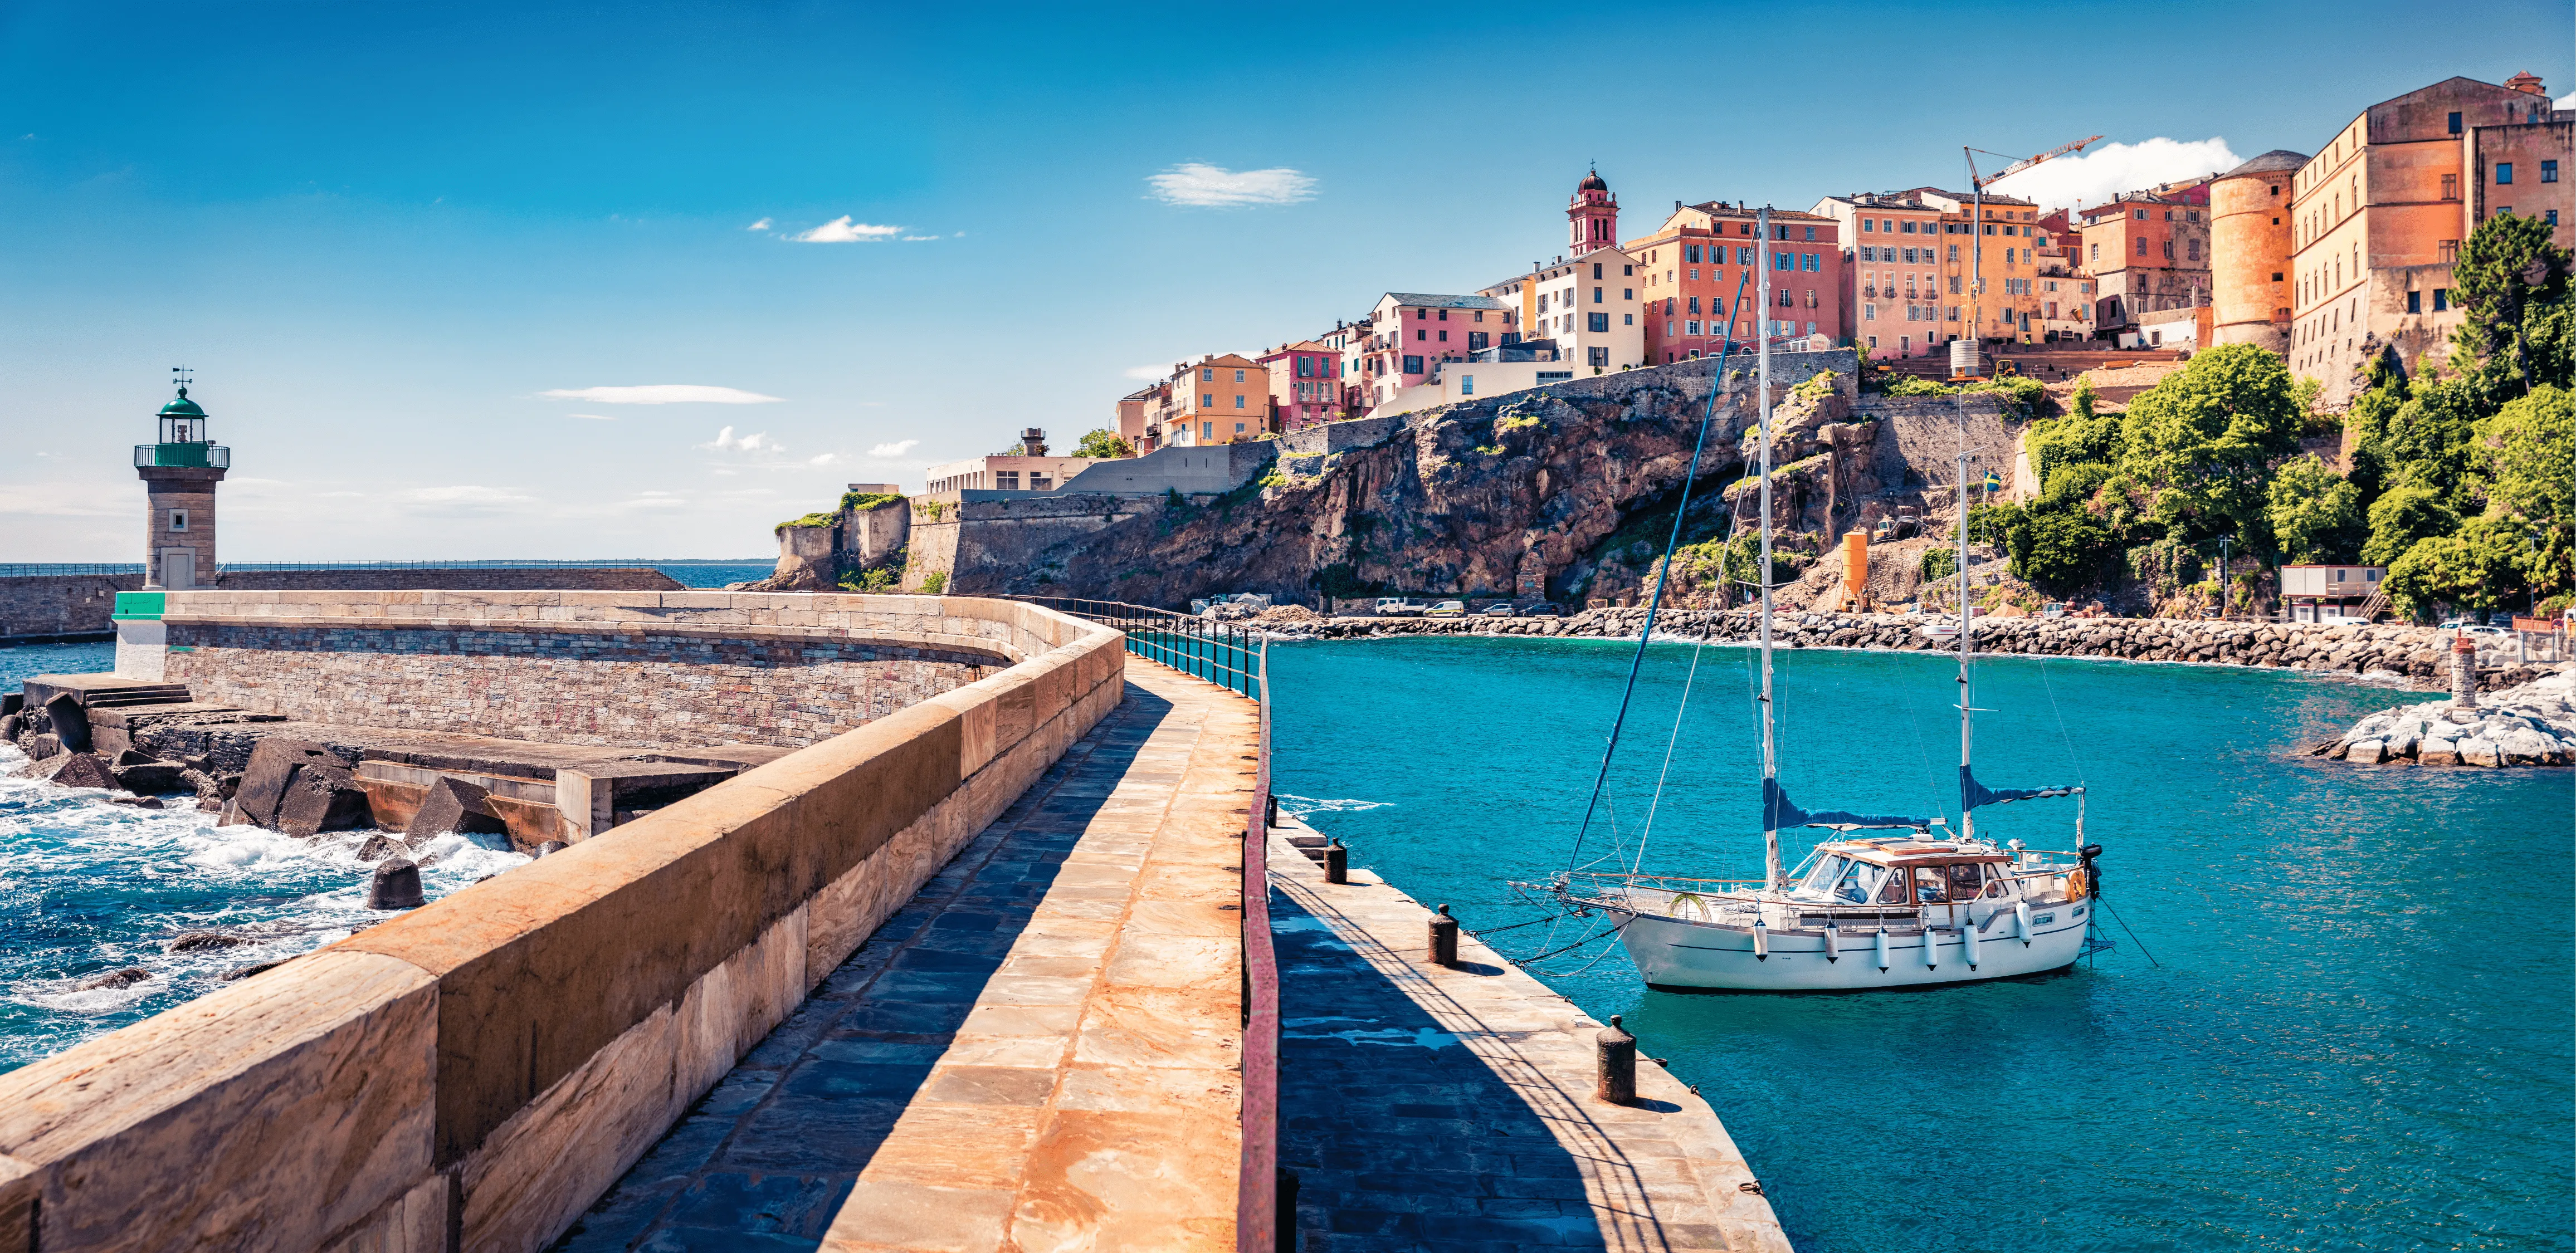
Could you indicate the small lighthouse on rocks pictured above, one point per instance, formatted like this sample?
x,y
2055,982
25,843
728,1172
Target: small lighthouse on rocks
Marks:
x,y
179,474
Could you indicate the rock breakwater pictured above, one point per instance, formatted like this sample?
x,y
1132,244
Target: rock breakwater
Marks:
x,y
2533,724
2415,654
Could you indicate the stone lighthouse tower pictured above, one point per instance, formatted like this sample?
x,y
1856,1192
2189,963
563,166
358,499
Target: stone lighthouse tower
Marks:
x,y
179,474
1592,217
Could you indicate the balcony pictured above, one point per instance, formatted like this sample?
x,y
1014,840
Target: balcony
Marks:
x,y
189,456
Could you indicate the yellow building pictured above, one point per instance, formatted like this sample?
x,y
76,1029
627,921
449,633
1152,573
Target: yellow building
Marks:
x,y
1219,400
2012,305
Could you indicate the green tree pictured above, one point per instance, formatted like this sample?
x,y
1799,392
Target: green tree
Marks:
x,y
2431,441
2061,551
2527,468
2204,440
1103,443
2479,568
2404,516
2511,282
2316,515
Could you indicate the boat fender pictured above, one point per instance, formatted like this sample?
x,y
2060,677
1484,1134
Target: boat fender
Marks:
x,y
1882,949
1761,940
1968,943
1833,943
2075,884
2021,920
1931,949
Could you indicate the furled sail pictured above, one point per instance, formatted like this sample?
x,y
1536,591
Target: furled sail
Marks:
x,y
1973,793
1779,811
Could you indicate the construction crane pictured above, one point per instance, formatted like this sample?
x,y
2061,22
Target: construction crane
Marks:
x,y
1977,231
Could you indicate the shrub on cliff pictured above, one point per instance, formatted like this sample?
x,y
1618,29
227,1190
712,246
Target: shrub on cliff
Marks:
x,y
2316,515
1103,443
2204,441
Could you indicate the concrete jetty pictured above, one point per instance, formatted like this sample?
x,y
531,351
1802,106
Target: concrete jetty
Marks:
x,y
1042,1050
1430,1107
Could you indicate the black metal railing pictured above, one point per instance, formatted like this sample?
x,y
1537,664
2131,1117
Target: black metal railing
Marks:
x,y
1226,655
43,569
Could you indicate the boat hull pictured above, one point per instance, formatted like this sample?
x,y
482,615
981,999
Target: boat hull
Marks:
x,y
1683,954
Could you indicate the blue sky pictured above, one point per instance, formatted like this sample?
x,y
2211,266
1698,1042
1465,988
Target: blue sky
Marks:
x,y
383,234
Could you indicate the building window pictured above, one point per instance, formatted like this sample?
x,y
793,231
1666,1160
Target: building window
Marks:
x,y
1006,480
1207,400
178,519
1868,312
1444,337
2415,302
1596,321
2441,299
2549,171
2504,173
1207,376
1238,400
1632,318
1413,365
1689,327
1419,333
2455,123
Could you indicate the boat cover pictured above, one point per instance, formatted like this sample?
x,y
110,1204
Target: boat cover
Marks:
x,y
1973,793
1779,811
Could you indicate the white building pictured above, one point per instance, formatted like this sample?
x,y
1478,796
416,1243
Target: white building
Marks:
x,y
1587,305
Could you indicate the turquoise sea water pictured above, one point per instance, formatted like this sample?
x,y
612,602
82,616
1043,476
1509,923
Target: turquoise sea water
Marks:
x,y
2359,1035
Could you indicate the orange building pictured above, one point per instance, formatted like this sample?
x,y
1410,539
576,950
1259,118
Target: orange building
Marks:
x,y
1891,297
1690,269
2147,252
2378,214
1219,400
2249,248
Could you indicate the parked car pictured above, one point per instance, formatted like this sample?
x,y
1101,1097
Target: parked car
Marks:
x,y
1447,609
2053,609
1498,611
2475,629
1543,609
1398,607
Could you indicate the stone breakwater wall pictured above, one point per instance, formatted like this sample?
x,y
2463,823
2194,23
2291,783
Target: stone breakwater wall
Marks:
x,y
42,606
2415,653
475,1073
645,670
2533,724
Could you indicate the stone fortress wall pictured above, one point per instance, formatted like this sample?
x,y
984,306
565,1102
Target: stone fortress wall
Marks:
x,y
45,605
473,1074
639,669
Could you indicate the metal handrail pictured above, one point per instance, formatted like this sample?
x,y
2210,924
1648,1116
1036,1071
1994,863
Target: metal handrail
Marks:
x,y
55,569
1228,656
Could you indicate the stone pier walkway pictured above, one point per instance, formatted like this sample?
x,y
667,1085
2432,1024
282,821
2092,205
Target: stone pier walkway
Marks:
x,y
1041,1051
1437,1108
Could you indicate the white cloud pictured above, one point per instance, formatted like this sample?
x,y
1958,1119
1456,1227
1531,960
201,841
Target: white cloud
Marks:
x,y
758,442
1148,373
595,417
760,225
896,449
2096,175
1215,186
662,394
2567,101
823,459
919,239
842,230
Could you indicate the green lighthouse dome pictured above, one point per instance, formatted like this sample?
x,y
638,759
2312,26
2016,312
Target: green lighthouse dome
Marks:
x,y
182,407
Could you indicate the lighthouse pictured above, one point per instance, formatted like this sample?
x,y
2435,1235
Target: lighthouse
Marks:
x,y
179,474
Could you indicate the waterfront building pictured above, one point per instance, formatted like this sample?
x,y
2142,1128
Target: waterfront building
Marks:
x,y
179,472
1140,414
1219,399
1693,262
1305,383
2249,251
2377,216
1348,342
1891,303
2328,593
1411,333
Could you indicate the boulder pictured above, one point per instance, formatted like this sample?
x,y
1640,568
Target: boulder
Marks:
x,y
138,802
2367,752
115,979
2480,751
300,788
41,745
75,770
149,778
247,971
452,805
379,846
190,941
323,798
396,885
10,726
273,764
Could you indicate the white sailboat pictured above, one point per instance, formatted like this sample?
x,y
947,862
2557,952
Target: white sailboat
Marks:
x,y
1923,905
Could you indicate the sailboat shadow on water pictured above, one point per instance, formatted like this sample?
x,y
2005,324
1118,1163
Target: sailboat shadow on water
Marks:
x,y
1860,913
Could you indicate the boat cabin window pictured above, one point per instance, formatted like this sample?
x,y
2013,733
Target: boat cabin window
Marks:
x,y
1822,877
1966,882
1928,887
1857,882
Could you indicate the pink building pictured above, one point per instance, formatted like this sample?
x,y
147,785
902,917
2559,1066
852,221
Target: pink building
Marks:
x,y
1411,333
1305,383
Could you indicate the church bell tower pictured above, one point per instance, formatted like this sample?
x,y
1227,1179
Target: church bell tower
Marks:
x,y
1592,217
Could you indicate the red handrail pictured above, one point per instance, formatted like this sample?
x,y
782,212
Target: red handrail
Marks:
x,y
1256,1206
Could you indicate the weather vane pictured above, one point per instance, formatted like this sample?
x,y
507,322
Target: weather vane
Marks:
x,y
181,375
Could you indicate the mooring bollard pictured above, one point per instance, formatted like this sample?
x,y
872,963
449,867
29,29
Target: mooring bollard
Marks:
x,y
1444,939
396,885
1270,810
1618,1065
1337,863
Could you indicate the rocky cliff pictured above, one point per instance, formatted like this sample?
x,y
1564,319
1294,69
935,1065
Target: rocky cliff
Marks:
x,y
1560,492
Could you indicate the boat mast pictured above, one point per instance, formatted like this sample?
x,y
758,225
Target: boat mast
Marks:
x,y
1967,825
1771,875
